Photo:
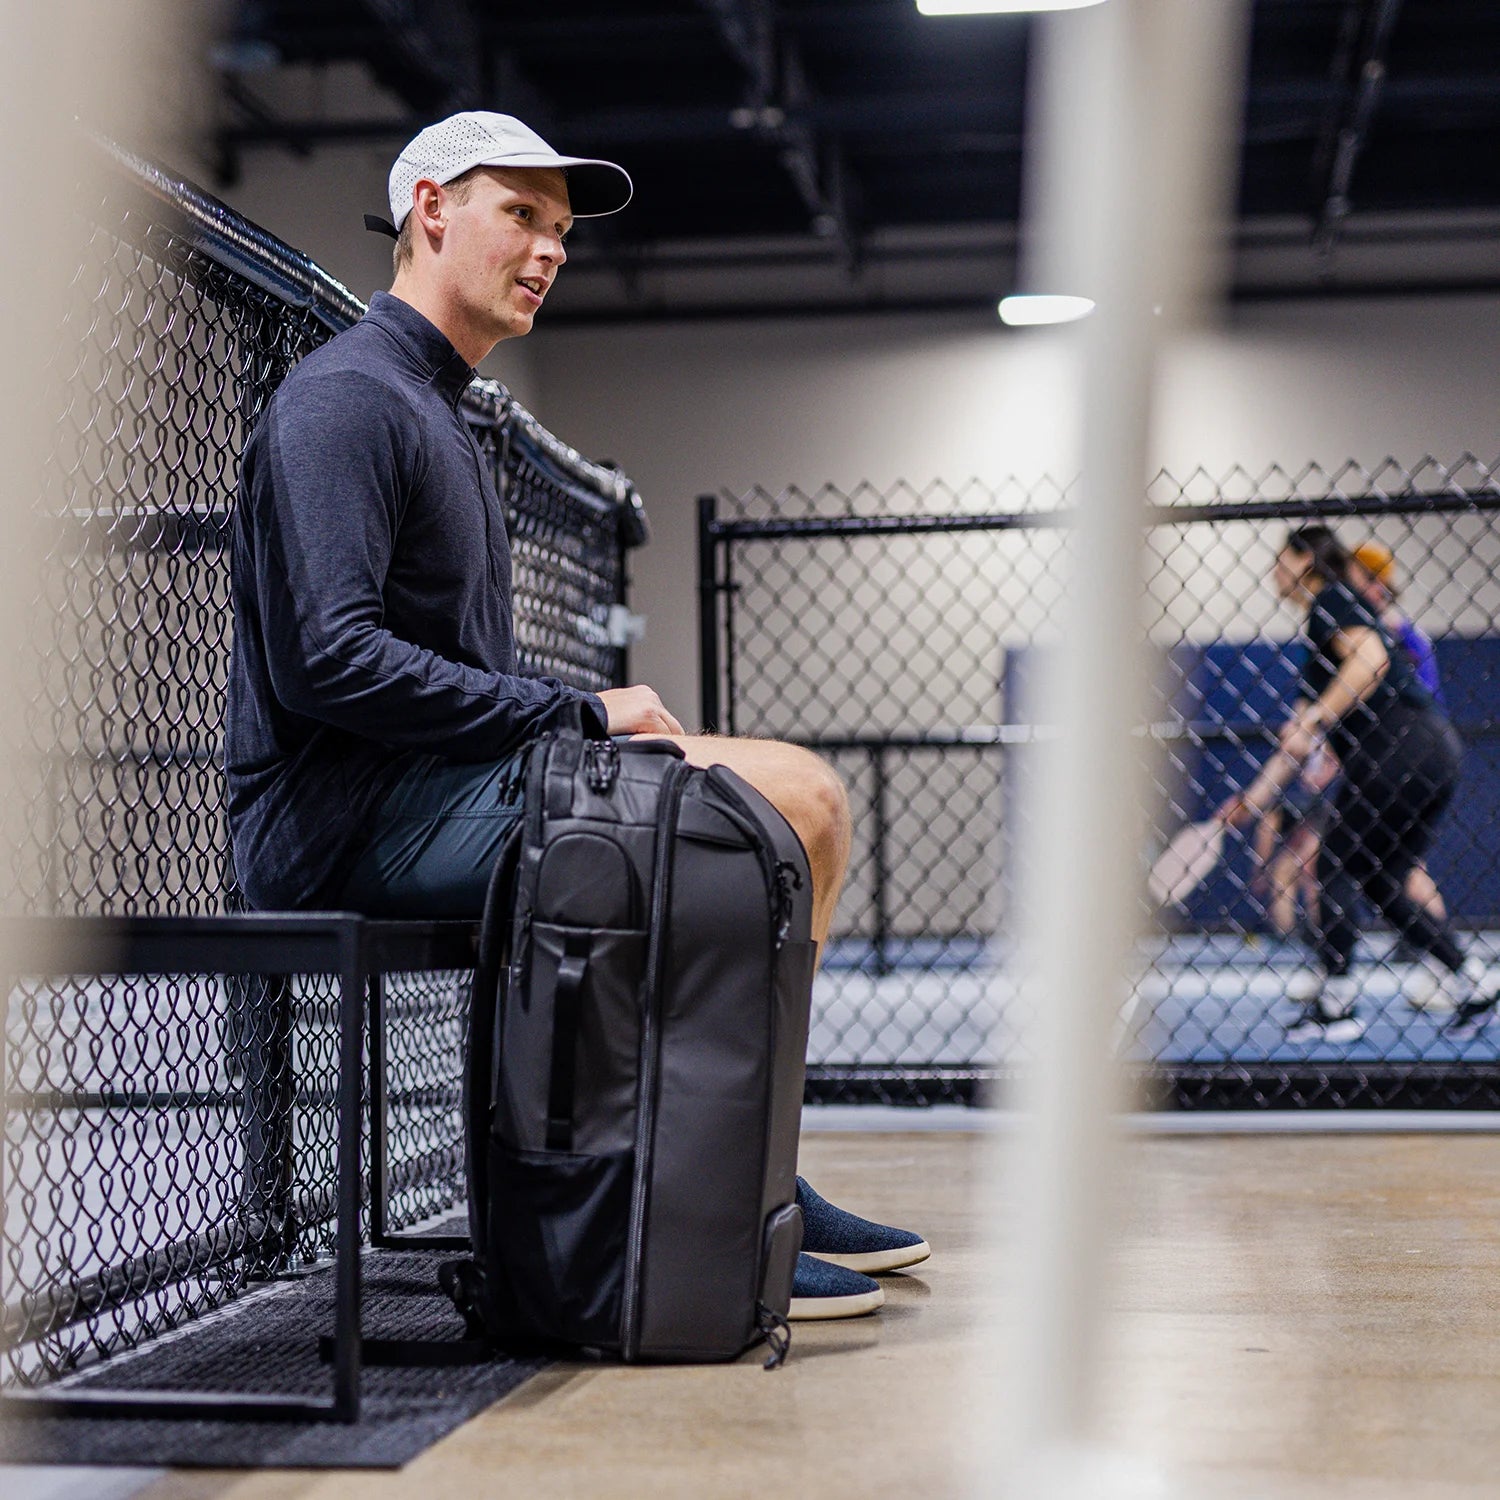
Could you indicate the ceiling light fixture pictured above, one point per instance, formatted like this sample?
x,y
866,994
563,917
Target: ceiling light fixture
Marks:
x,y
1043,307
996,7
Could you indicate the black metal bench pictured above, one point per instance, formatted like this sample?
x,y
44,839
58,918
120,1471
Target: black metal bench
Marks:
x,y
185,1082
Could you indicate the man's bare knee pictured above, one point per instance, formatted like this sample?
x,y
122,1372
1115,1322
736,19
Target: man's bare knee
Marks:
x,y
806,791
802,787
818,808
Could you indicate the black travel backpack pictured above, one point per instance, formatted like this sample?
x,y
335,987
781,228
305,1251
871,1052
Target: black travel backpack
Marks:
x,y
637,1042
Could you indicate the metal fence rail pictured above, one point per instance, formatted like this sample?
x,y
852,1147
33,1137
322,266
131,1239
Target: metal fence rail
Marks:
x,y
900,634
168,1140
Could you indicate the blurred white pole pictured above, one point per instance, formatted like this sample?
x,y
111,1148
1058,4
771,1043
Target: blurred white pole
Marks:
x,y
126,67
34,180
1135,99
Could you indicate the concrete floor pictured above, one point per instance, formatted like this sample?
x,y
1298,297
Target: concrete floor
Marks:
x,y
1310,1316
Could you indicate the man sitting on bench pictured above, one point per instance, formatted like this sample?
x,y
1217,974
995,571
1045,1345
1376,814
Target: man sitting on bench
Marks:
x,y
377,730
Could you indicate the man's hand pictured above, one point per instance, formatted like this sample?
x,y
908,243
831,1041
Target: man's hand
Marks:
x,y
637,710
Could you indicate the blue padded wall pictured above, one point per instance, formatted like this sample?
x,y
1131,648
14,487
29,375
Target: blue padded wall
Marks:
x,y
1232,696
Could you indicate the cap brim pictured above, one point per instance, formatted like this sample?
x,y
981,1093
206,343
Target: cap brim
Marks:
x,y
595,188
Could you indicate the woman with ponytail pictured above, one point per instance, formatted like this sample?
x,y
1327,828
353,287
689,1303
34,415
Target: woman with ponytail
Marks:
x,y
1400,757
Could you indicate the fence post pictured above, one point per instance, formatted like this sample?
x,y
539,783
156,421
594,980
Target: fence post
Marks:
x,y
708,616
881,875
268,1097
261,1013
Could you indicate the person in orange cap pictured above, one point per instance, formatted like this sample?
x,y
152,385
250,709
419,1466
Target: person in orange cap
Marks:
x,y
1372,575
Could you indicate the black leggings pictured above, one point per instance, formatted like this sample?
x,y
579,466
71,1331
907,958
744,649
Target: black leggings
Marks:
x,y
1395,788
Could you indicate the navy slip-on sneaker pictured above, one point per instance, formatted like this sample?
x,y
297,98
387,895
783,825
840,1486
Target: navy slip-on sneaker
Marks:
x,y
820,1290
856,1244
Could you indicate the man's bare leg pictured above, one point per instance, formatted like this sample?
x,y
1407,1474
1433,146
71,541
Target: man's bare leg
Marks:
x,y
806,791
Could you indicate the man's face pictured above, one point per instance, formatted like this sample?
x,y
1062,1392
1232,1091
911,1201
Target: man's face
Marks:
x,y
504,246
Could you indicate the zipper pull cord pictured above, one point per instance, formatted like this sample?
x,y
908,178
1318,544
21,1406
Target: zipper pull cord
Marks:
x,y
788,879
777,1334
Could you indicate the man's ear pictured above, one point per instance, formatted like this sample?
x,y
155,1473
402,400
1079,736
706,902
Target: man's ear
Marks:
x,y
429,206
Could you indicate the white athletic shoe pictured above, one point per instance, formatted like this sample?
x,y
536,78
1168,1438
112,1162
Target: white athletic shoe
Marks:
x,y
1455,989
1422,988
1305,985
1331,1016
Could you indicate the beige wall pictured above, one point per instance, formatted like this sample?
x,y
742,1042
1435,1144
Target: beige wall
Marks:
x,y
692,408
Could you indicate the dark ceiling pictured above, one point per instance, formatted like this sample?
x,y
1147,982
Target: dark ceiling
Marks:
x,y
812,155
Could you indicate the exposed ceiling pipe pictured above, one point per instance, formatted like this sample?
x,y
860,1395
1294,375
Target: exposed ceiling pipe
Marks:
x,y
1361,98
429,55
1336,91
778,98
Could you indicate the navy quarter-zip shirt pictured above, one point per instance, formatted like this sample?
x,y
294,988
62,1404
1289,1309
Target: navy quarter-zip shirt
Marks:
x,y
371,584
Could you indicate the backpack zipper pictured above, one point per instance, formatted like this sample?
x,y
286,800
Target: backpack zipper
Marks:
x,y
645,1120
781,878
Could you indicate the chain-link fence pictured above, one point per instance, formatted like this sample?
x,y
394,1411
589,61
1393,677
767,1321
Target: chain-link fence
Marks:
x,y
168,1140
901,633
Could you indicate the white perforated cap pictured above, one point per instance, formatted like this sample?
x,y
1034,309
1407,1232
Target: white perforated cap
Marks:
x,y
479,138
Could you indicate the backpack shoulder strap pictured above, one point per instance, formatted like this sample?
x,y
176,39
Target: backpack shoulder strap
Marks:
x,y
486,998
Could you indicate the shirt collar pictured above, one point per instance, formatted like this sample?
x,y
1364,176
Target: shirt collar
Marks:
x,y
442,364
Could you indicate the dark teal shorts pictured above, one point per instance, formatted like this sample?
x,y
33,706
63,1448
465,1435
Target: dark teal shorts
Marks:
x,y
436,839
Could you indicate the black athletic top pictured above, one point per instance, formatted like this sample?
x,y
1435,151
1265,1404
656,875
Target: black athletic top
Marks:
x,y
371,581
1384,719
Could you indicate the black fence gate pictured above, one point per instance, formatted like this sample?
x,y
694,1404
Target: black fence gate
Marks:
x,y
899,634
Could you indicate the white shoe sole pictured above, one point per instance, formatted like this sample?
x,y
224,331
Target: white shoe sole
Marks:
x,y
1477,1021
1468,1032
873,1262
1339,1033
1443,993
1435,1002
815,1309
1349,1030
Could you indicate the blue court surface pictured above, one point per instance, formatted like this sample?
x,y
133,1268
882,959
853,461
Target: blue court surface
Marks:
x,y
1197,998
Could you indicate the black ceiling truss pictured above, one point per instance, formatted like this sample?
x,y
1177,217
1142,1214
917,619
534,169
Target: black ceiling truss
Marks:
x,y
777,107
858,140
1279,113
